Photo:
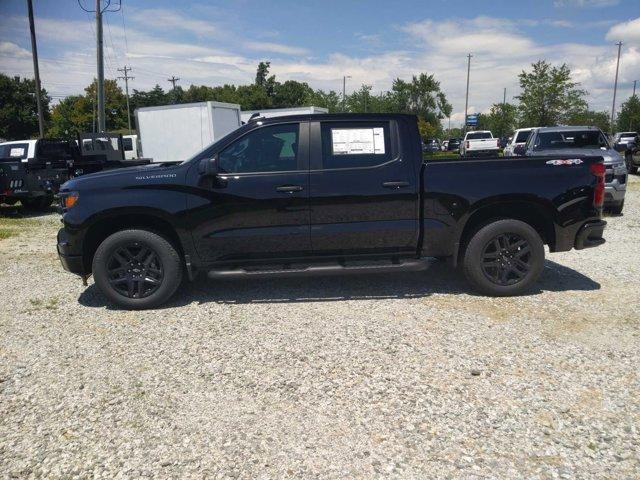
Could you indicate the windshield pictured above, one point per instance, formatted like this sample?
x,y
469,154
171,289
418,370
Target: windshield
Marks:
x,y
576,139
478,135
522,137
208,151
630,135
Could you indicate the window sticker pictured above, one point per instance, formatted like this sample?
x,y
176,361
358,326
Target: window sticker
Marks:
x,y
16,152
358,141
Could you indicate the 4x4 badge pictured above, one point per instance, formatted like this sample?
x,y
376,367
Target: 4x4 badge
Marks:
x,y
569,161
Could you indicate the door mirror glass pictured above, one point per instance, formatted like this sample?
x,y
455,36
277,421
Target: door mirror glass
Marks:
x,y
208,167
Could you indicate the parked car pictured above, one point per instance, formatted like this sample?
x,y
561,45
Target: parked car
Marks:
x,y
311,194
479,143
431,145
628,144
519,138
568,142
31,171
454,145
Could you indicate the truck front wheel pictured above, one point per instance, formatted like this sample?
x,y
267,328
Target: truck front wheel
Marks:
x,y
137,269
504,258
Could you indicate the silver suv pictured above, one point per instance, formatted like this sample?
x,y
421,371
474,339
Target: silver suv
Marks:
x,y
554,141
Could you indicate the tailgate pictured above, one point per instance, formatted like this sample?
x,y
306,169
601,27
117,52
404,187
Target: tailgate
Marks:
x,y
483,144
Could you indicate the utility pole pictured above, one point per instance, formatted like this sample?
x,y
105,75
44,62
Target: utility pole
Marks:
x,y
100,58
504,97
36,69
632,95
344,89
615,88
100,61
466,101
126,79
173,81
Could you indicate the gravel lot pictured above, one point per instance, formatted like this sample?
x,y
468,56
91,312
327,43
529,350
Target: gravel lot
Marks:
x,y
404,375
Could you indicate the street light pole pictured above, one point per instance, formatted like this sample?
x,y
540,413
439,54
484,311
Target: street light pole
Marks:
x,y
466,100
36,69
344,91
615,88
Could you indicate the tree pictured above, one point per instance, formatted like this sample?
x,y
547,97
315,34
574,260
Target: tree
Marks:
x,y
501,119
329,100
629,115
601,120
548,97
290,94
18,108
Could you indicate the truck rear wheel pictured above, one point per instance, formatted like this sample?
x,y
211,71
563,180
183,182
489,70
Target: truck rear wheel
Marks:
x,y
137,269
504,258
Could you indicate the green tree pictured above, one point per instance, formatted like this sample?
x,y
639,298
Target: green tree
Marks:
x,y
329,100
629,116
549,97
601,120
18,108
501,119
290,94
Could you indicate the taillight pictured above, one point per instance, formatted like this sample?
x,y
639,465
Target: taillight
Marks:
x,y
467,144
598,170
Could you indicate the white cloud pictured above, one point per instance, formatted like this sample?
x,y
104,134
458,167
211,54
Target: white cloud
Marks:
x,y
8,48
275,48
164,19
586,3
627,31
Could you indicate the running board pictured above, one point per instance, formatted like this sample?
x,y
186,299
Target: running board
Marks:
x,y
412,265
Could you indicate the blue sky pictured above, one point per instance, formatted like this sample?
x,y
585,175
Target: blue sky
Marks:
x,y
217,42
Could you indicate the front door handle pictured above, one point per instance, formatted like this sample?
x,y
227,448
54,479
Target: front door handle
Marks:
x,y
289,188
395,184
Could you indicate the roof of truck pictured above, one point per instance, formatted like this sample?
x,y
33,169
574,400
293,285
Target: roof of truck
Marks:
x,y
330,116
567,128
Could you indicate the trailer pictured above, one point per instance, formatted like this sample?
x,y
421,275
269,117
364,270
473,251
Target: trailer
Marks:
x,y
172,133
281,112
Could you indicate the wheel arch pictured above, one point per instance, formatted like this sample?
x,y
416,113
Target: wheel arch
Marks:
x,y
535,214
122,220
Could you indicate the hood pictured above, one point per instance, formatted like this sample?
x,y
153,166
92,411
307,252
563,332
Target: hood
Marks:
x,y
116,177
610,156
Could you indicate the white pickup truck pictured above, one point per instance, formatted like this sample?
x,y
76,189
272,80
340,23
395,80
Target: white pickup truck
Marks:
x,y
479,143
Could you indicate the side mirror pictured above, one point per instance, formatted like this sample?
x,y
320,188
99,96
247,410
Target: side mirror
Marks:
x,y
208,167
519,150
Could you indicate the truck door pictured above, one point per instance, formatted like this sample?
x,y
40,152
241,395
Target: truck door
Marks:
x,y
258,205
364,194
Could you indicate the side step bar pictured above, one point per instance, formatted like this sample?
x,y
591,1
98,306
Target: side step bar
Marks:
x,y
413,265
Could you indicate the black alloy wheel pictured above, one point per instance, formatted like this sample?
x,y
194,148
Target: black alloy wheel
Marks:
x,y
507,259
135,270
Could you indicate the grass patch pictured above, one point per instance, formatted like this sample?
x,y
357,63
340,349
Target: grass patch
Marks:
x,y
50,304
7,233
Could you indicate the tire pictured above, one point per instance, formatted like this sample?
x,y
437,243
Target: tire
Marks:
x,y
519,244
39,204
137,269
617,209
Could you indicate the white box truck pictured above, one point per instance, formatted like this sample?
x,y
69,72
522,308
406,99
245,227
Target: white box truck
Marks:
x,y
281,112
171,133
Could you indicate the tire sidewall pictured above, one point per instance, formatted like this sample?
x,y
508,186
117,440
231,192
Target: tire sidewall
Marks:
x,y
171,264
473,257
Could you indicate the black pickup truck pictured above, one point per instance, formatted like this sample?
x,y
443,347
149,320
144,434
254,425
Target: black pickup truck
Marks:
x,y
318,194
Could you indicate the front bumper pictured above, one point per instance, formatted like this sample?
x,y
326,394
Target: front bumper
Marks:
x,y
71,262
590,235
615,185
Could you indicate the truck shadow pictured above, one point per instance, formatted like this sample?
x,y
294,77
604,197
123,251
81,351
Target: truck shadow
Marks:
x,y
440,278
18,211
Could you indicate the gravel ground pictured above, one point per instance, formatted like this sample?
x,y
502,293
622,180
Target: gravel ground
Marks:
x,y
404,375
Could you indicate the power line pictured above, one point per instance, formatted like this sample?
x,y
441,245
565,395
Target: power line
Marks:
x,y
124,31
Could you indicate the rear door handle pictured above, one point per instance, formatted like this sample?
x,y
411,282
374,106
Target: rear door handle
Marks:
x,y
289,188
395,184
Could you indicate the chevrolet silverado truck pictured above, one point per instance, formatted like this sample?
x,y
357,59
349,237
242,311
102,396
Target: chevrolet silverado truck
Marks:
x,y
325,194
479,143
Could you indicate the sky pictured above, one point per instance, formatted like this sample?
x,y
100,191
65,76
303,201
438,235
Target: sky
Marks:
x,y
216,42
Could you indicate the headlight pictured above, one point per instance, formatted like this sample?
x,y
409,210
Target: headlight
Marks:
x,y
69,200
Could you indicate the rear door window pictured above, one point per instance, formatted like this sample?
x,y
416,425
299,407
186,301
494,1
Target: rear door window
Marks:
x,y
15,151
356,144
